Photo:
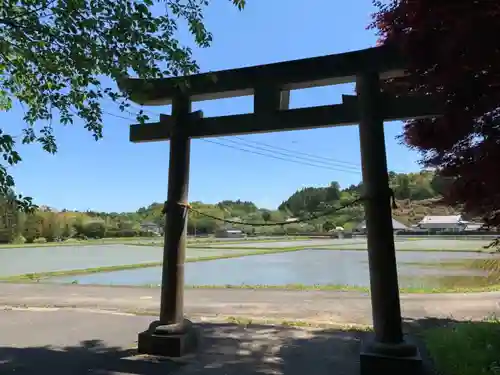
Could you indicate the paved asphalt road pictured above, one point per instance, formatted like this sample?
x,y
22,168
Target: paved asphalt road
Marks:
x,y
82,330
317,306
71,342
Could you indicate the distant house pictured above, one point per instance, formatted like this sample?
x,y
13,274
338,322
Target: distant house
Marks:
x,y
396,225
453,223
473,227
229,233
151,227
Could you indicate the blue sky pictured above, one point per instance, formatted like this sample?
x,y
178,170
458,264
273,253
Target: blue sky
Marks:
x,y
115,175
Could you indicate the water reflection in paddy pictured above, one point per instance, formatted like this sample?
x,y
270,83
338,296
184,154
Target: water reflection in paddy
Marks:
x,y
308,267
18,261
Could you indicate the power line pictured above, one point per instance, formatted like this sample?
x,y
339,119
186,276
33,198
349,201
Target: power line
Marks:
x,y
118,116
130,112
290,153
322,159
348,167
328,159
280,158
308,158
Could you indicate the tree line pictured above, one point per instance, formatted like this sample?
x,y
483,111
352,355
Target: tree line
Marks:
x,y
17,226
423,189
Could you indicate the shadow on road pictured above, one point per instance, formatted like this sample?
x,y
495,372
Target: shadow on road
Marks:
x,y
225,349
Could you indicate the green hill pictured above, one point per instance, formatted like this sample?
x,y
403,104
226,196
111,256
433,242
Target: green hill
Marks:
x,y
417,195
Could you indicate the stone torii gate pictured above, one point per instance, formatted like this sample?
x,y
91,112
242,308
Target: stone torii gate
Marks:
x,y
173,335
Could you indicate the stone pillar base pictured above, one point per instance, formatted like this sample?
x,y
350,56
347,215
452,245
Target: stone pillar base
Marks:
x,y
173,340
380,359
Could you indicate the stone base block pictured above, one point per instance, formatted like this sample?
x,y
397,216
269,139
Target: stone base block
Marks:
x,y
173,341
387,359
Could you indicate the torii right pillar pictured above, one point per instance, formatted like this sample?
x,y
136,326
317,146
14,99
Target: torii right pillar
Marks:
x,y
387,351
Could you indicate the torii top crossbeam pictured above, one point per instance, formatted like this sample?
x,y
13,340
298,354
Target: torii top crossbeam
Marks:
x,y
288,75
271,84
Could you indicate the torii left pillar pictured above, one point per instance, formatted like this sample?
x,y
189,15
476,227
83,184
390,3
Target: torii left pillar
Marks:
x,y
173,335
387,352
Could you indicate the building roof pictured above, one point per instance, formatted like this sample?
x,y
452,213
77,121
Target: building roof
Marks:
x,y
395,225
449,219
474,226
149,224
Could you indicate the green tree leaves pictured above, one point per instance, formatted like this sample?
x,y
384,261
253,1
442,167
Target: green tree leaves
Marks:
x,y
266,215
54,54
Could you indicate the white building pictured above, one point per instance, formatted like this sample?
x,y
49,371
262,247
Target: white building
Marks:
x,y
453,223
471,226
229,233
151,227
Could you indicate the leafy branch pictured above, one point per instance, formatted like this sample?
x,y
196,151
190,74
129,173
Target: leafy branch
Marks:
x,y
55,53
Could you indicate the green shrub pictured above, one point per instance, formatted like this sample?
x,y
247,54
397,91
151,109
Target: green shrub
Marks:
x,y
40,240
112,233
6,235
51,227
93,229
128,233
117,233
32,228
19,239
67,231
147,233
466,348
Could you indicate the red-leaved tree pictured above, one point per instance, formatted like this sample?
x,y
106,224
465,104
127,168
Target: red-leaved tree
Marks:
x,y
453,49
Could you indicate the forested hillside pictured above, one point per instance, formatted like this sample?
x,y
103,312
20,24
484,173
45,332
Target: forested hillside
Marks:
x,y
417,195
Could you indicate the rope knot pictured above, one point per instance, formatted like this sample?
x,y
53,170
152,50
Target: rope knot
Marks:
x,y
164,210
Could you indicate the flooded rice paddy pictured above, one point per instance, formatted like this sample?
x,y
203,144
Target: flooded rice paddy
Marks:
x,y
321,266
18,261
360,243
306,267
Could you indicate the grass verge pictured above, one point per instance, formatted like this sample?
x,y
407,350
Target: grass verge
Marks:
x,y
349,288
37,276
248,321
287,287
248,240
276,249
465,348
338,248
335,248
